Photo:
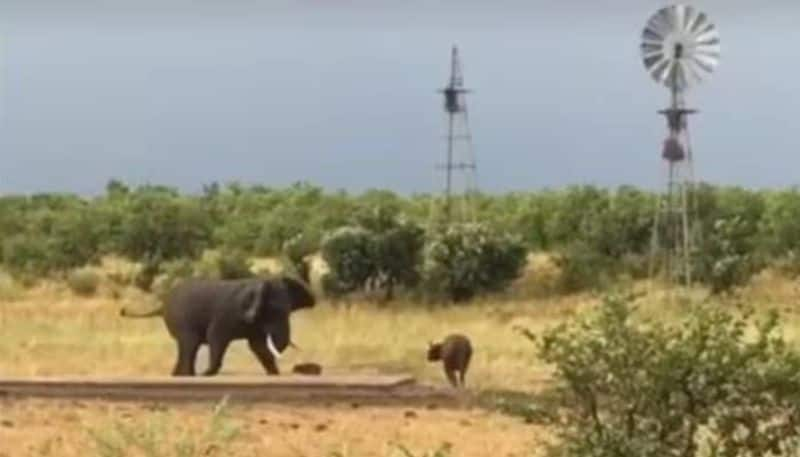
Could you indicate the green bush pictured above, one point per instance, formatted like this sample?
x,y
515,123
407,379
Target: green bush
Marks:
x,y
464,260
382,251
347,252
295,255
158,225
726,258
83,282
634,387
26,255
583,268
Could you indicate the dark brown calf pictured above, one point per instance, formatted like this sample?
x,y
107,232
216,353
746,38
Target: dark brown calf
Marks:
x,y
455,352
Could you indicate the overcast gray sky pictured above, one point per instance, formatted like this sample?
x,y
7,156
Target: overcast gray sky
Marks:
x,y
343,93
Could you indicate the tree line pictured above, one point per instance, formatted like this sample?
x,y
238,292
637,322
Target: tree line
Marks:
x,y
383,241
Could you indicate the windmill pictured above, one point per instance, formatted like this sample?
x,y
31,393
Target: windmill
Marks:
x,y
680,48
459,166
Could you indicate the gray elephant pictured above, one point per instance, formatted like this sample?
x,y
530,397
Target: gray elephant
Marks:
x,y
216,312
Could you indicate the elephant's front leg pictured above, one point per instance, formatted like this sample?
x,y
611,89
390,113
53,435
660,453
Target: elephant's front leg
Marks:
x,y
259,348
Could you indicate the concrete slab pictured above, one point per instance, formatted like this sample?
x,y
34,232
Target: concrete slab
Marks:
x,y
396,389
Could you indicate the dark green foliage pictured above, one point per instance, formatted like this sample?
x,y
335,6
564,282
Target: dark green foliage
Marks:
x,y
639,388
396,247
465,260
381,251
296,251
347,251
725,259
163,226
26,255
599,235
585,268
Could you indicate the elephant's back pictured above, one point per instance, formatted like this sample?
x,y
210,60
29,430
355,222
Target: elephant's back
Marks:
x,y
193,302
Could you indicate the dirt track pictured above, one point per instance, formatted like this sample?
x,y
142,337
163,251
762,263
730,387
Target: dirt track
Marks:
x,y
373,390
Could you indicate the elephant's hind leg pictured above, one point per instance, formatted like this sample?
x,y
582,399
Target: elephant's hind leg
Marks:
x,y
259,348
187,352
217,345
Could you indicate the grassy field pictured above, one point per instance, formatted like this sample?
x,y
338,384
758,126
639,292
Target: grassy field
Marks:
x,y
48,330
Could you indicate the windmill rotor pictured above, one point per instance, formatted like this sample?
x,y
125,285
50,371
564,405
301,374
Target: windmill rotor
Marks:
x,y
680,47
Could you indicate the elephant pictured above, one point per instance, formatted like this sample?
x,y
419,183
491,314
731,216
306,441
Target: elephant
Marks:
x,y
216,312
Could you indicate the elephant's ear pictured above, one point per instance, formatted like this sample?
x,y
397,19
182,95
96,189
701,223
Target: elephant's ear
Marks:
x,y
251,301
300,295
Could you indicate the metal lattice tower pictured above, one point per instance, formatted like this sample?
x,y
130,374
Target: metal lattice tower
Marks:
x,y
673,239
680,47
460,168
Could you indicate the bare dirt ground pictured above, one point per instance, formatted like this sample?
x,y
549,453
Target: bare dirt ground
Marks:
x,y
71,428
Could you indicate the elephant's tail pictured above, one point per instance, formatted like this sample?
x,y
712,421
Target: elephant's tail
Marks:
x,y
156,312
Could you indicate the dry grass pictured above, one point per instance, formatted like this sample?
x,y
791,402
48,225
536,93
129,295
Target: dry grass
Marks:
x,y
50,331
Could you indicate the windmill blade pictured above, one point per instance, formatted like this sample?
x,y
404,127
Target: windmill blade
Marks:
x,y
680,47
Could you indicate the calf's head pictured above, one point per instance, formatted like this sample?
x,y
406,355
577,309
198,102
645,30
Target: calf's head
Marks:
x,y
434,351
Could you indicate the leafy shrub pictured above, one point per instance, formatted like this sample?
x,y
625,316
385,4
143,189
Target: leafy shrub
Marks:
x,y
464,260
279,226
295,253
164,227
381,252
584,268
635,387
26,255
347,251
726,258
84,282
396,249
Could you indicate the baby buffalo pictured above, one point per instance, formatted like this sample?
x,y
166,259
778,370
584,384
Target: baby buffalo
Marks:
x,y
455,352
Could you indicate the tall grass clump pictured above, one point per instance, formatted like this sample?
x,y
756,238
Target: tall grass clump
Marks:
x,y
161,436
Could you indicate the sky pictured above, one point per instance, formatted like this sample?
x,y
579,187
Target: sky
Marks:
x,y
343,94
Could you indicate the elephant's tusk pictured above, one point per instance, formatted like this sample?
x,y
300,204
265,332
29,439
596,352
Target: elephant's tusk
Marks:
x,y
271,346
